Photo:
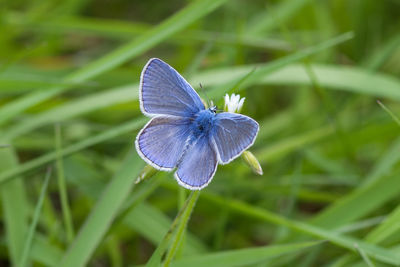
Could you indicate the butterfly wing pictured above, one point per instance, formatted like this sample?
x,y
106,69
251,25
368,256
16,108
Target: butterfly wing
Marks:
x,y
163,91
198,165
233,133
162,140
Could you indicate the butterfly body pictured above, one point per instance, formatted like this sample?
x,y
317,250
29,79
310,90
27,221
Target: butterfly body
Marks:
x,y
203,123
182,133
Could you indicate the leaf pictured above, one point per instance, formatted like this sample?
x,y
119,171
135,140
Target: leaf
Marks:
x,y
153,225
175,231
32,228
347,242
242,257
113,132
151,38
14,207
102,215
227,78
380,186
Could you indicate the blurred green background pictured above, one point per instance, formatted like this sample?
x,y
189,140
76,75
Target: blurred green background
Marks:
x,y
311,71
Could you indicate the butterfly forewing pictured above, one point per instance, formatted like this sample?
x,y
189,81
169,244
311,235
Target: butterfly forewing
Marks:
x,y
233,133
163,91
198,164
162,141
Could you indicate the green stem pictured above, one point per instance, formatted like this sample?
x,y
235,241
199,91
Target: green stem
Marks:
x,y
181,197
394,117
62,187
179,223
35,220
187,211
364,256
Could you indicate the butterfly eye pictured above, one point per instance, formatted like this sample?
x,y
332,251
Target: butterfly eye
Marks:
x,y
213,109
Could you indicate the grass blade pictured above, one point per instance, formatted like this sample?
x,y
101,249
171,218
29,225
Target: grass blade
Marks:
x,y
275,65
364,256
377,189
30,165
373,251
44,252
122,30
291,143
276,17
14,207
179,223
62,188
170,26
35,220
242,257
125,94
102,215
177,239
351,79
153,225
389,227
391,114
75,108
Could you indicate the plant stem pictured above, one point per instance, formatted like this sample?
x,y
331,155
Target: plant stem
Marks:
x,y
186,211
35,220
394,117
62,187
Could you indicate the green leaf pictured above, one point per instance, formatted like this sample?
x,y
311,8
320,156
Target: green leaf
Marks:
x,y
122,30
128,93
276,16
62,187
151,38
15,208
351,79
379,187
292,143
347,242
102,215
32,228
364,256
242,257
153,225
37,162
175,231
44,252
389,227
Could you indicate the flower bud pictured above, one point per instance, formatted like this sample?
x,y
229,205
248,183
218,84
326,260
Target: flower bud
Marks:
x,y
146,173
252,161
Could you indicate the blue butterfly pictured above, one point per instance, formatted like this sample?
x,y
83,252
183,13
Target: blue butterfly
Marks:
x,y
182,133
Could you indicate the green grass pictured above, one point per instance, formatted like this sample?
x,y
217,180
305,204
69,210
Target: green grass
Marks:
x,y
32,228
320,77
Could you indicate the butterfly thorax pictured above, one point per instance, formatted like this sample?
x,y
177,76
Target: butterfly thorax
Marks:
x,y
203,122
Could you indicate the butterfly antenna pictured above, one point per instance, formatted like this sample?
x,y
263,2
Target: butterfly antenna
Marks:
x,y
209,102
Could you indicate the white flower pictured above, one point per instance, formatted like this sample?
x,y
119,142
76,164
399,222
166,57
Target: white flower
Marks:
x,y
233,103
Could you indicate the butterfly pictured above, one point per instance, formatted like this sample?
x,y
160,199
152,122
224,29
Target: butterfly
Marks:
x,y
184,135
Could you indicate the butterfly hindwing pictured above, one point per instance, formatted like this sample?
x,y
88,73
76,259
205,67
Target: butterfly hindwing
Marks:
x,y
163,91
162,141
198,165
233,133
